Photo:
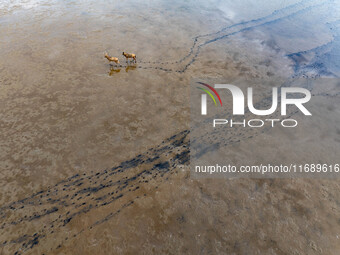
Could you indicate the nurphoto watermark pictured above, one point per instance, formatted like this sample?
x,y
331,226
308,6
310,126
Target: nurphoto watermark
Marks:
x,y
264,129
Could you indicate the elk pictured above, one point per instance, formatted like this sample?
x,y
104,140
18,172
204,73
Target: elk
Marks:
x,y
130,55
111,59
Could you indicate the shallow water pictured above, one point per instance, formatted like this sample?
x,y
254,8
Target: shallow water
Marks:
x,y
67,118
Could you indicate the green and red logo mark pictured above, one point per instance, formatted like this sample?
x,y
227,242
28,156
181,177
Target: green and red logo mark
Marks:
x,y
209,93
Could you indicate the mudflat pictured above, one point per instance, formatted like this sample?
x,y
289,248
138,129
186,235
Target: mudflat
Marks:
x,y
94,158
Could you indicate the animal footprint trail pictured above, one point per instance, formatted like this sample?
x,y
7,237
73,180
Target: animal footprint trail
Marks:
x,y
200,41
47,214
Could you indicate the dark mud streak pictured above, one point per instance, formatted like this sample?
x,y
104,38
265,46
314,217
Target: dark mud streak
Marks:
x,y
321,54
80,194
67,200
61,204
239,27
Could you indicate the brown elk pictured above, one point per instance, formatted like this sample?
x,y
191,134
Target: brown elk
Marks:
x,y
130,55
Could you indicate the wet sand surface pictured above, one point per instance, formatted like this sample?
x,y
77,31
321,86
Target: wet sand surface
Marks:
x,y
95,159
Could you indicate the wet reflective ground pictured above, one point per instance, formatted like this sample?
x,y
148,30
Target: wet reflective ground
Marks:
x,y
94,158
